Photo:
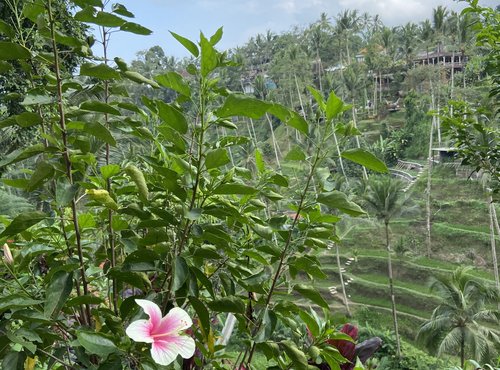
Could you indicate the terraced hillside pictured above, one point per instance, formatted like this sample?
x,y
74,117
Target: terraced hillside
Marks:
x,y
460,236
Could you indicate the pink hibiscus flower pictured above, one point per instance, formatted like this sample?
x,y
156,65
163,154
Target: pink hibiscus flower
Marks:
x,y
163,332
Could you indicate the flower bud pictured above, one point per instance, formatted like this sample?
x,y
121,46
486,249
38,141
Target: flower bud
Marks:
x,y
7,255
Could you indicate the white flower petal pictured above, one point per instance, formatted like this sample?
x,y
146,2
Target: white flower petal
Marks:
x,y
176,320
163,352
152,310
186,346
139,331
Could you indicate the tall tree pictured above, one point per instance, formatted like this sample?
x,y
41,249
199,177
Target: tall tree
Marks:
x,y
347,24
384,197
407,37
457,323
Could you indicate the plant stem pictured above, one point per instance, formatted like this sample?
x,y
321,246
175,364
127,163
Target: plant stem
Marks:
x,y
288,242
57,359
111,236
62,123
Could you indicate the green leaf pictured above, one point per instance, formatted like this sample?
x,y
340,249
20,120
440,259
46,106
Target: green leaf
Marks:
x,y
137,77
366,159
98,106
36,97
228,304
20,155
5,67
318,96
96,343
310,322
110,170
203,315
6,29
84,3
188,44
263,231
299,359
174,81
216,158
209,57
269,321
14,360
141,260
216,37
121,10
235,189
136,279
33,9
290,118
172,117
17,301
43,171
84,299
135,28
279,180
200,276
11,51
333,106
101,18
57,293
243,105
338,200
86,221
101,71
295,154
312,294
28,119
181,273
22,222
95,129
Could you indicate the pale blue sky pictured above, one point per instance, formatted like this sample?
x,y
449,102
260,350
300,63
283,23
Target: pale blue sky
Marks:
x,y
242,19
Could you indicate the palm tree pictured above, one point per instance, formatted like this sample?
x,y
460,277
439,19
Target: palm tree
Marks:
x,y
384,197
426,35
457,324
407,37
439,15
347,24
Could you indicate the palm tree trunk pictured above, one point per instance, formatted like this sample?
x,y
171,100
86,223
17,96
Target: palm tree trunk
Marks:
x,y
300,96
391,289
428,189
493,244
341,162
462,348
358,144
273,138
344,295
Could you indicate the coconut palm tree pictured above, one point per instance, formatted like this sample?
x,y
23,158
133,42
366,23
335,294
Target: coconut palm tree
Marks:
x,y
426,35
407,37
439,16
384,196
457,325
347,24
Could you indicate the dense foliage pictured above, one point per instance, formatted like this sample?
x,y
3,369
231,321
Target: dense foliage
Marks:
x,y
161,185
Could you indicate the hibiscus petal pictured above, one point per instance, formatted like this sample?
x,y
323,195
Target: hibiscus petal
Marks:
x,y
139,331
152,310
186,346
165,350
176,320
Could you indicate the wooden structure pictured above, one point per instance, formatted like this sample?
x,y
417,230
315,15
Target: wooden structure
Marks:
x,y
448,60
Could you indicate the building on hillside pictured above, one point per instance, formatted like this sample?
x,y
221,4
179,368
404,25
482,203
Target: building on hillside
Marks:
x,y
446,59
